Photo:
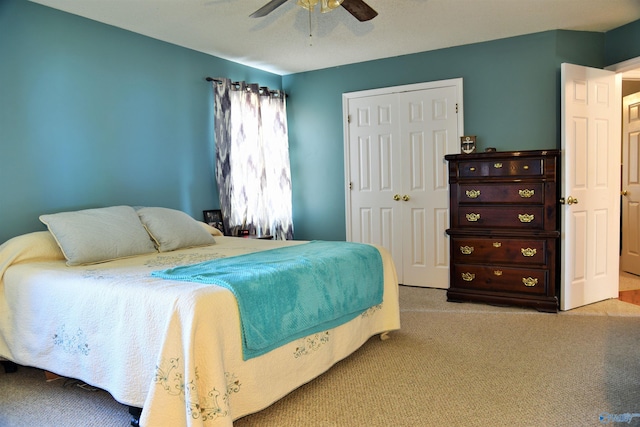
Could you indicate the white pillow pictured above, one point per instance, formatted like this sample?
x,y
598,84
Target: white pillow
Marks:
x,y
98,235
172,229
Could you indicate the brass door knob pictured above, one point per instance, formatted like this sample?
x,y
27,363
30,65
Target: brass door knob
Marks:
x,y
405,198
569,201
624,192
396,197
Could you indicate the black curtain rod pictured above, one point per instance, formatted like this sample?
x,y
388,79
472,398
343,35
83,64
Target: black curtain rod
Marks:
x,y
264,88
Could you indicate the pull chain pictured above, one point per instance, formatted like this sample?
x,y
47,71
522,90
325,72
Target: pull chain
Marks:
x,y
310,39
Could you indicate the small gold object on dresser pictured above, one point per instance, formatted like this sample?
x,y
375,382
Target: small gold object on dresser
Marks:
x,y
504,228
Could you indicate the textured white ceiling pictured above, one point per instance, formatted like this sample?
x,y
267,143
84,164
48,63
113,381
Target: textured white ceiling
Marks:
x,y
281,42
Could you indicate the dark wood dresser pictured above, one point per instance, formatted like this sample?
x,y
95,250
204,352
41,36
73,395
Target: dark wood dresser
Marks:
x,y
504,228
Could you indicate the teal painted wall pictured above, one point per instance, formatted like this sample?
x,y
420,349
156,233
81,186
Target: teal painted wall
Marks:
x,y
92,115
622,43
511,102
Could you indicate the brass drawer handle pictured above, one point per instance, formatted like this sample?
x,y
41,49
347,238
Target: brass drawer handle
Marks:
x,y
466,250
472,169
468,277
473,217
525,217
526,193
472,194
528,251
497,272
529,281
497,244
497,165
526,167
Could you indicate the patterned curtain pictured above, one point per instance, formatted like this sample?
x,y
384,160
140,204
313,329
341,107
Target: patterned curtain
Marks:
x,y
252,159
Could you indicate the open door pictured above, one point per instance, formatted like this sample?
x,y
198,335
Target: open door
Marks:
x,y
590,206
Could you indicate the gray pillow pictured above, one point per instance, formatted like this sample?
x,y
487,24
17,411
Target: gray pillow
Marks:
x,y
92,236
172,229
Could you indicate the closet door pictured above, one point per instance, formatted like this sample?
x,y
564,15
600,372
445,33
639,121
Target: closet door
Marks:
x,y
397,182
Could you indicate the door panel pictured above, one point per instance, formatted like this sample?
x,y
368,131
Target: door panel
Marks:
x,y
630,254
590,183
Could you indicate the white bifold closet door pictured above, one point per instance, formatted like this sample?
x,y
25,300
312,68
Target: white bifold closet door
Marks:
x,y
397,179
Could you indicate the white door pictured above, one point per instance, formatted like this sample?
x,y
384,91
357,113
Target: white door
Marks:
x,y
397,193
630,255
590,215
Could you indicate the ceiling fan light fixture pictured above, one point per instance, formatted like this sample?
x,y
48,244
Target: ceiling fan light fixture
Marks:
x,y
329,5
357,8
308,4
325,5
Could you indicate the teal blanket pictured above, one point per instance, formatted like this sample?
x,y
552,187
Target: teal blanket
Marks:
x,y
288,293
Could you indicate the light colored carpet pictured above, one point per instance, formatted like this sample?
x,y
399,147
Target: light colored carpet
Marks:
x,y
450,365
419,299
26,399
478,365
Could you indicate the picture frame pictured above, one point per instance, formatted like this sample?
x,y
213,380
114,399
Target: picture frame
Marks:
x,y
468,144
214,218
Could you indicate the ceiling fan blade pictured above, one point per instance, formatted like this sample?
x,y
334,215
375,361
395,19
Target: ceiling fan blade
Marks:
x,y
267,8
359,9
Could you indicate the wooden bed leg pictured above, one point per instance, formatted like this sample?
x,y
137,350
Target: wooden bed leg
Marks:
x,y
384,336
135,415
9,367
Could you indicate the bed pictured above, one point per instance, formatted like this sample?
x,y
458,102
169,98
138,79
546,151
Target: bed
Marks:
x,y
172,347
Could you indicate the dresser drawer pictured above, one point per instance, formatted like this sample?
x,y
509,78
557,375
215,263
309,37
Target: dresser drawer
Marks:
x,y
519,217
521,193
528,167
499,251
522,280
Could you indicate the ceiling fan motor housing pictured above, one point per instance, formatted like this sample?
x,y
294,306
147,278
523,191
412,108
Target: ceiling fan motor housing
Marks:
x,y
325,5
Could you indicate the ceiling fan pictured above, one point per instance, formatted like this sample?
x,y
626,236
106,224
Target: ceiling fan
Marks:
x,y
358,8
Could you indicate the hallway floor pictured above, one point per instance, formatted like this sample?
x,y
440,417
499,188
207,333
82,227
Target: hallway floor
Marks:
x,y
629,288
630,296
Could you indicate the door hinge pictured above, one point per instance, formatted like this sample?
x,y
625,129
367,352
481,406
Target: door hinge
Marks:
x,y
351,186
348,118
456,108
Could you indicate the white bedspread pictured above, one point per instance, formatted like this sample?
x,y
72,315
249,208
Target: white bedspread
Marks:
x,y
170,347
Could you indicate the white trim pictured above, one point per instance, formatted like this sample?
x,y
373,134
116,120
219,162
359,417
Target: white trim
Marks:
x,y
628,65
630,69
405,88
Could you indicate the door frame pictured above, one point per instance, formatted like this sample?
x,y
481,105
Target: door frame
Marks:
x,y
347,96
624,66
